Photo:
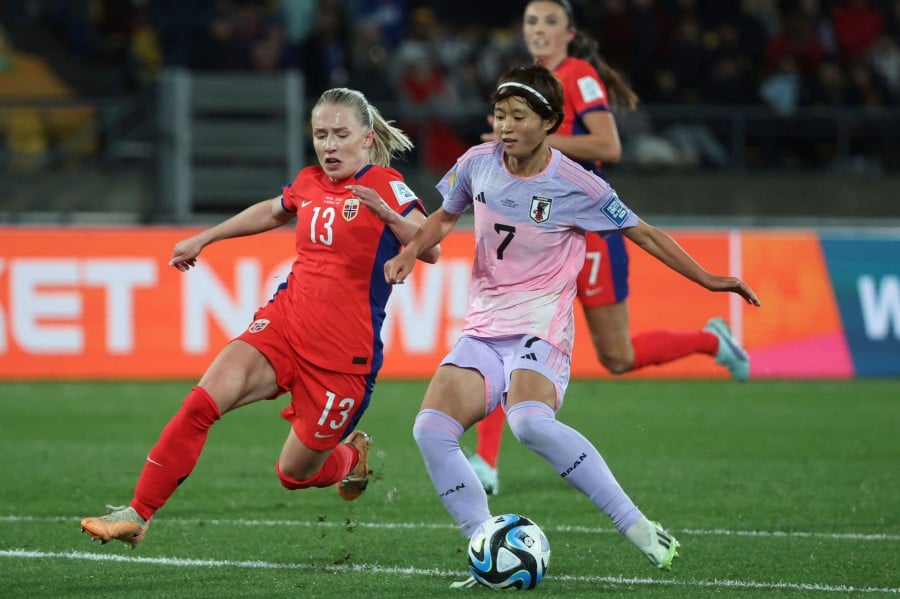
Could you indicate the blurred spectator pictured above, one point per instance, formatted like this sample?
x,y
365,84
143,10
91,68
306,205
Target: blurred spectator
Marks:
x,y
182,29
856,25
327,53
885,59
731,71
426,92
299,20
828,89
866,89
651,32
388,16
244,35
615,36
690,59
781,88
369,72
798,44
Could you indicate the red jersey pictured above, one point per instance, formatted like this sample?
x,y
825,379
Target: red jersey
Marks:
x,y
335,296
584,92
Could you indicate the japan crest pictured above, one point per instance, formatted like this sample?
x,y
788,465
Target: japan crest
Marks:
x,y
540,209
350,209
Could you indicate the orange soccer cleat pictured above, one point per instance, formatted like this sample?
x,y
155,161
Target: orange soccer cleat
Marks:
x,y
353,485
123,524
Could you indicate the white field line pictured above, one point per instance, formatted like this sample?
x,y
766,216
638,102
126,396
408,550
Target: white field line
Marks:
x,y
715,532
387,570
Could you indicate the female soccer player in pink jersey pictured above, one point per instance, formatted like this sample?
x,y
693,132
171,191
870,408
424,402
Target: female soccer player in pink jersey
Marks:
x,y
319,337
532,207
588,134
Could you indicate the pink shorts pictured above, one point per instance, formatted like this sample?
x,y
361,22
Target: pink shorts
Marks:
x,y
603,279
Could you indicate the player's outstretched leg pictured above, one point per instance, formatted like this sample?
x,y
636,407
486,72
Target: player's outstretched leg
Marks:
x,y
353,485
122,524
652,540
730,355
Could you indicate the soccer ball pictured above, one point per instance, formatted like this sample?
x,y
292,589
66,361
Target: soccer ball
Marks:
x,y
509,551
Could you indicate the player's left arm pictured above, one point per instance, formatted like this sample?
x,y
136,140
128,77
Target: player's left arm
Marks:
x,y
661,246
403,227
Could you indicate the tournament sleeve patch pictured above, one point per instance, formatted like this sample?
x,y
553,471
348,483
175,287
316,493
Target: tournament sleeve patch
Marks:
x,y
616,210
590,89
403,193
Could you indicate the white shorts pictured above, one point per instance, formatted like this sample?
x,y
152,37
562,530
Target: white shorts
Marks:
x,y
497,358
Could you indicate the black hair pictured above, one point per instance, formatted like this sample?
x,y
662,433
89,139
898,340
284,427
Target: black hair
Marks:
x,y
538,87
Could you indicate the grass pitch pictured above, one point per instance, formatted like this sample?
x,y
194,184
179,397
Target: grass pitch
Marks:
x,y
775,489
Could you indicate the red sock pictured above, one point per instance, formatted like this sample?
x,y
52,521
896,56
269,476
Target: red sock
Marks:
x,y
338,465
660,347
490,432
175,454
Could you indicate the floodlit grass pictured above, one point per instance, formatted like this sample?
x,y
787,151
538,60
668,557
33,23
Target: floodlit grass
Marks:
x,y
775,489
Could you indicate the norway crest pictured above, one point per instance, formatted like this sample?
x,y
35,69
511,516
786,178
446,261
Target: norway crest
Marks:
x,y
258,325
540,209
350,209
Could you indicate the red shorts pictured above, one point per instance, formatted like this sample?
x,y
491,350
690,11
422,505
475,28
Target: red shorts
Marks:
x,y
325,405
603,279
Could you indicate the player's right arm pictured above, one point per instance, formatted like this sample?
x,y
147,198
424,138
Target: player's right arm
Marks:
x,y
262,216
438,224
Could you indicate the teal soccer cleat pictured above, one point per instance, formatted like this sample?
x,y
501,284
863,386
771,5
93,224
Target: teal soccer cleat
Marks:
x,y
730,355
486,475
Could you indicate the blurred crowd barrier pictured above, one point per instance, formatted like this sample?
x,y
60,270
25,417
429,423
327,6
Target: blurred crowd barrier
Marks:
x,y
194,149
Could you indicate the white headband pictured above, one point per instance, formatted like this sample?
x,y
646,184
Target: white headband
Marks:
x,y
529,88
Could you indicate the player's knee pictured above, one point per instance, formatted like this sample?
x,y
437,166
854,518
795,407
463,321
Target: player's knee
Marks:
x,y
435,428
199,408
288,481
530,429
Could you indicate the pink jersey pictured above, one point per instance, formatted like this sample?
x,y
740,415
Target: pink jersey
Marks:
x,y
529,240
336,292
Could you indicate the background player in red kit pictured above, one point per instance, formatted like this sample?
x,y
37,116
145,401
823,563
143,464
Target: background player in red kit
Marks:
x,y
589,135
319,337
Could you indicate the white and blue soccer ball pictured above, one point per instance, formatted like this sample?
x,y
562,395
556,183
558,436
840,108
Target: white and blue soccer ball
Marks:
x,y
509,551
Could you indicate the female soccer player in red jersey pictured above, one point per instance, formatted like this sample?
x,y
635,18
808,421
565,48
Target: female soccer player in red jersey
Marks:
x,y
589,135
319,337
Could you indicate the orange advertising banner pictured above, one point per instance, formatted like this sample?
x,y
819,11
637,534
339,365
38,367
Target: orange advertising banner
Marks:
x,y
96,303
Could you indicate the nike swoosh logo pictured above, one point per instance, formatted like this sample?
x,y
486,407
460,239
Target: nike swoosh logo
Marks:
x,y
154,462
305,204
319,435
592,292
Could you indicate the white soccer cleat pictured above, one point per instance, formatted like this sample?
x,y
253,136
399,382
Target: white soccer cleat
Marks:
x,y
653,541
